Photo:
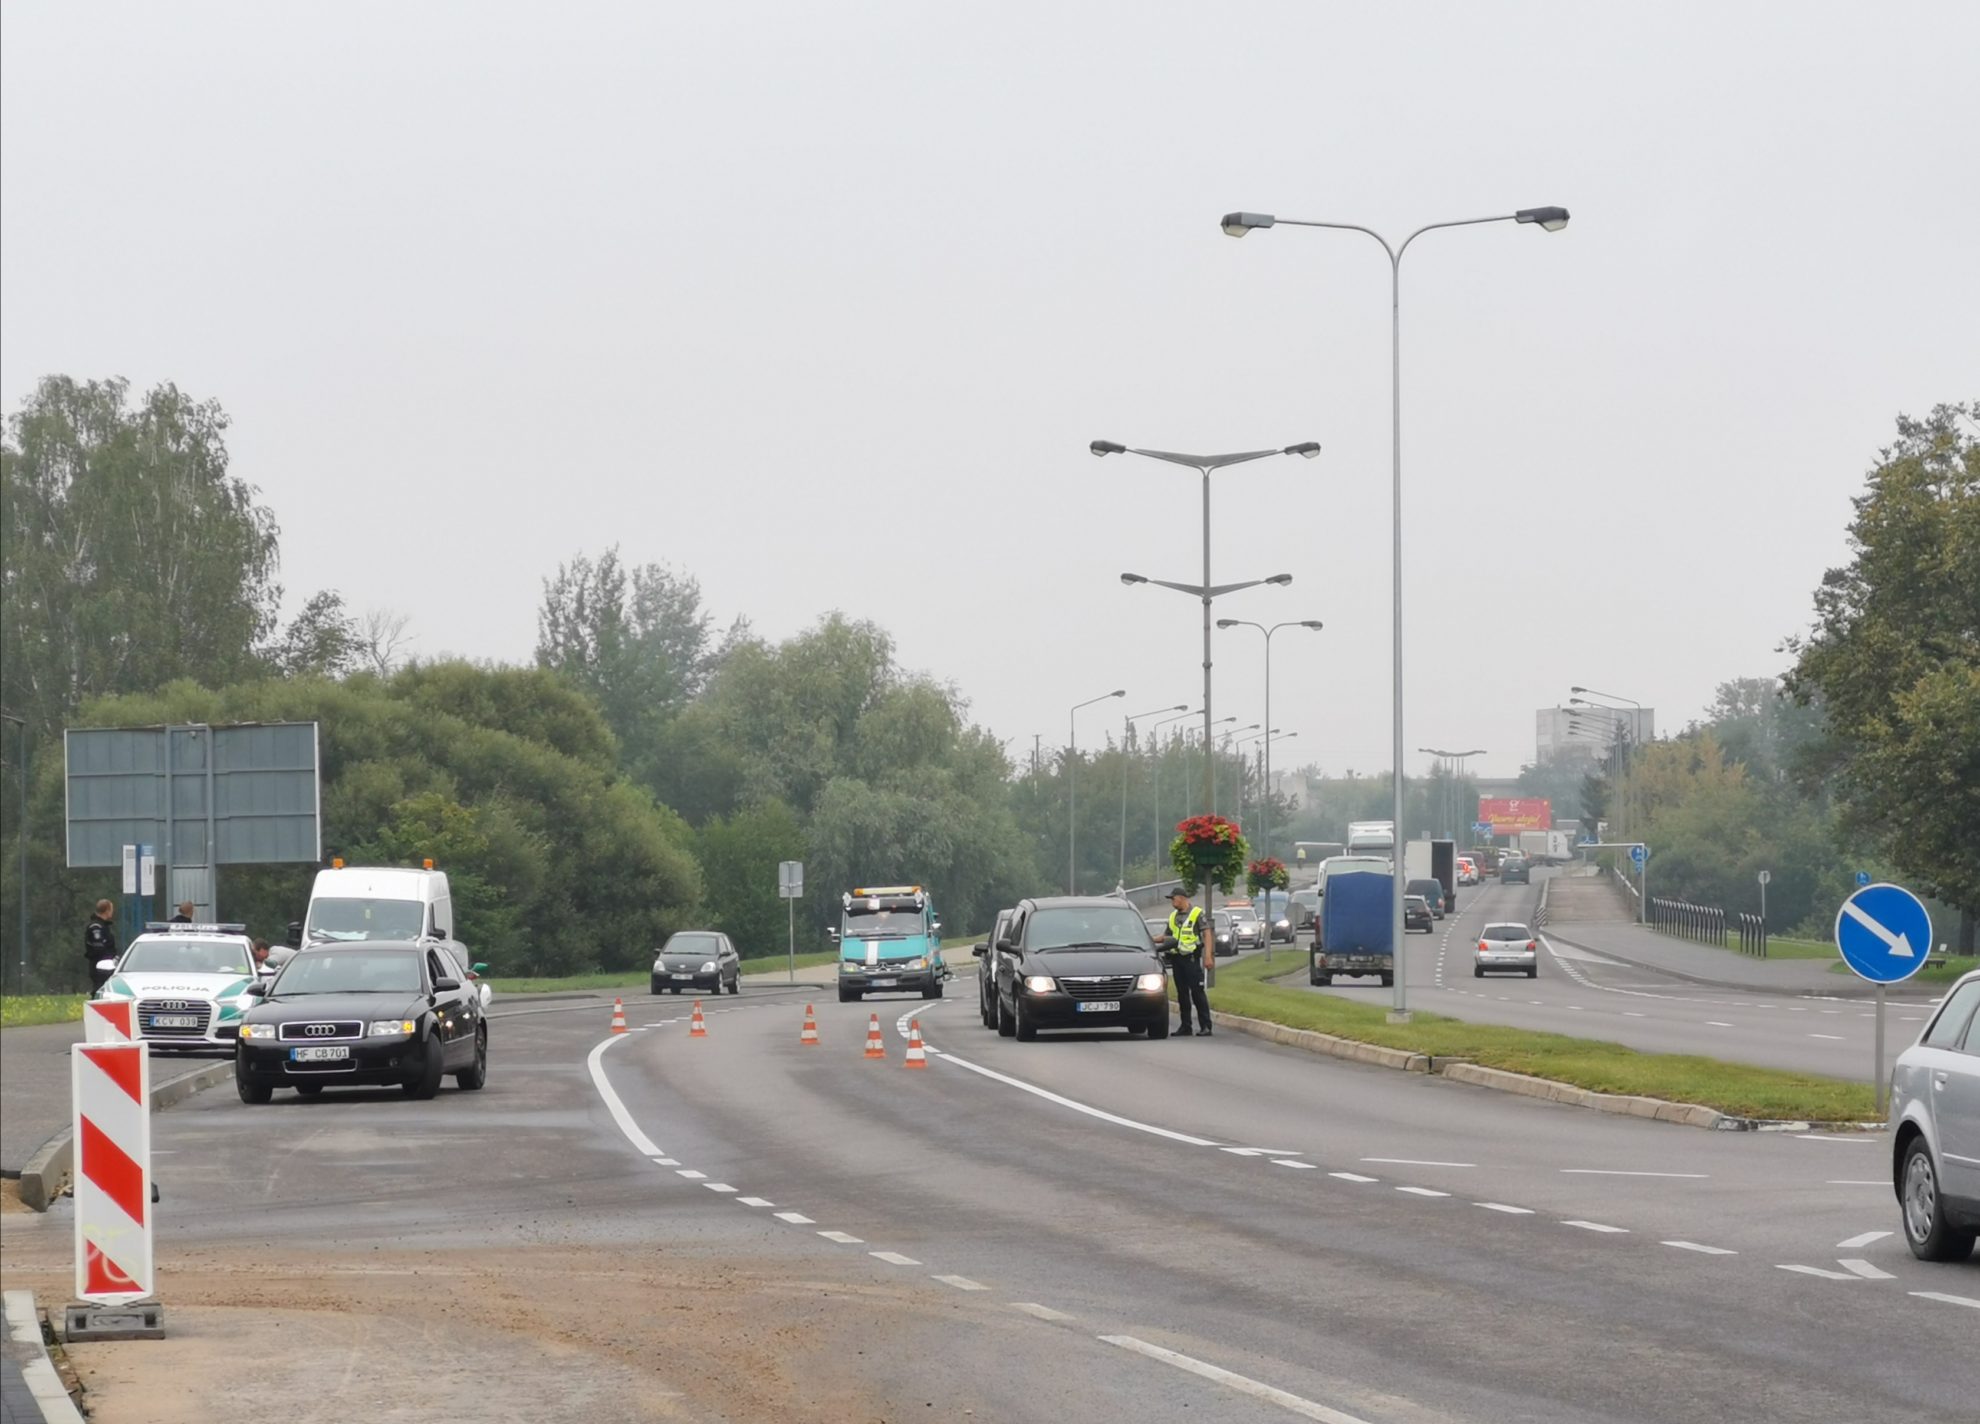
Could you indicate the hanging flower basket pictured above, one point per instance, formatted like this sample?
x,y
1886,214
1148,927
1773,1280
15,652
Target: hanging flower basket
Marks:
x,y
1267,874
1208,850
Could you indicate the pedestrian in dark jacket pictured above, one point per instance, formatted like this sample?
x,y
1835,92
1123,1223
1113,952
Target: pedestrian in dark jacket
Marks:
x,y
100,942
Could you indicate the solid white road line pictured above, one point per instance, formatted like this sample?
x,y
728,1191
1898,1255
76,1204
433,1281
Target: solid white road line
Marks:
x,y
1509,1210
1413,1162
842,1238
1857,1243
1818,1271
962,1283
1948,1299
755,1201
796,1218
1040,1312
1598,1226
1243,1384
1707,1250
893,1258
618,1109
1857,1266
1080,1107
1353,1177
1609,1172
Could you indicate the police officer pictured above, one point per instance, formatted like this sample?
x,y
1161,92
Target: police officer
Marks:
x,y
1184,946
100,942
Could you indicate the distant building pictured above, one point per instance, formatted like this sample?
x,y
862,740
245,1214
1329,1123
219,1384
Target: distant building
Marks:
x,y
1585,734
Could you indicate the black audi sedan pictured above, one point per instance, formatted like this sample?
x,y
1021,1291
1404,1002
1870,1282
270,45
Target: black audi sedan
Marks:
x,y
1079,962
365,1013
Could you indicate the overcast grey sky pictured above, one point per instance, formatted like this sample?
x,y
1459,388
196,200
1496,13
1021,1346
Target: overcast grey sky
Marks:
x,y
822,304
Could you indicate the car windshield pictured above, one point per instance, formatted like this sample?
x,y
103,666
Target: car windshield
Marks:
x,y
185,956
353,920
1425,888
1518,932
1083,927
363,972
1416,902
691,944
1246,915
862,923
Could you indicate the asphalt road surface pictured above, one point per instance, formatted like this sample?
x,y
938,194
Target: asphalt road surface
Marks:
x,y
1590,995
739,1227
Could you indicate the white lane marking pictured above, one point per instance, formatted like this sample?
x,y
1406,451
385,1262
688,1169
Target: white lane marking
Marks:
x,y
1509,1210
1243,1384
1612,1172
1041,1312
755,1201
618,1109
1423,1191
1834,1037
1707,1250
691,1174
718,1186
962,1283
843,1238
1288,1162
1856,1266
1353,1177
796,1218
1632,1014
893,1258
1261,1151
1413,1162
1818,1271
1857,1243
1080,1107
1714,1023
1948,1299
1859,1182
665,1162
1598,1226
1830,1137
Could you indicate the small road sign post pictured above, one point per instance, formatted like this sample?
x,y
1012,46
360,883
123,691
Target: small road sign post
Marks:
x,y
1883,934
1765,876
790,885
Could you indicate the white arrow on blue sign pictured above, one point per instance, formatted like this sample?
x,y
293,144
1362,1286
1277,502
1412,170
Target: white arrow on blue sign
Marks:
x,y
1862,877
1883,933
1637,856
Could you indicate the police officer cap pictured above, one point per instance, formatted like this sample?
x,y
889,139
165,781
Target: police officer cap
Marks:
x,y
1180,890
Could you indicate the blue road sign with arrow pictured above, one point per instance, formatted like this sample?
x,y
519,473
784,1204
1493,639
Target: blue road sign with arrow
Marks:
x,y
1862,877
1637,856
1883,933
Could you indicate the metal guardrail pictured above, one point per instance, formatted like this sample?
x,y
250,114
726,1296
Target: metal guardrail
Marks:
x,y
1752,932
1708,925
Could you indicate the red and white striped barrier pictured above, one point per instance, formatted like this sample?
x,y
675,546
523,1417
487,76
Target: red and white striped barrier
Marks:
x,y
112,1022
112,1084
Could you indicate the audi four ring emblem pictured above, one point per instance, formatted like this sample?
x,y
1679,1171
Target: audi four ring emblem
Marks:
x,y
320,1030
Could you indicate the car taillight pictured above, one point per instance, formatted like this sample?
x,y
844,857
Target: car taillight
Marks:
x,y
1531,947
1483,946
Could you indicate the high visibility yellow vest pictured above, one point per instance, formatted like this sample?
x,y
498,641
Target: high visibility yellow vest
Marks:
x,y
1187,930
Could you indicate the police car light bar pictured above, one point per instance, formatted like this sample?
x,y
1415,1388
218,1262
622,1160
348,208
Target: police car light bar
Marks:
x,y
180,927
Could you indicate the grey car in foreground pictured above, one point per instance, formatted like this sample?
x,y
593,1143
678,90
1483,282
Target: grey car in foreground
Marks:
x,y
1935,1130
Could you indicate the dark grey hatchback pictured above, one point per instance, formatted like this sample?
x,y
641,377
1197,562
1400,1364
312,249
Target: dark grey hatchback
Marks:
x,y
1079,962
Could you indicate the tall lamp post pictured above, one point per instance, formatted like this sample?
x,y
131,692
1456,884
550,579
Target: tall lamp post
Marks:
x,y
1121,883
21,836
1456,761
1072,785
1309,449
1237,225
1316,625
1231,741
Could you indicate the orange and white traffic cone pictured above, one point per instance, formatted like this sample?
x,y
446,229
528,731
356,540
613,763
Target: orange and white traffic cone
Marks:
x,y
809,1038
876,1046
917,1056
697,1026
618,1016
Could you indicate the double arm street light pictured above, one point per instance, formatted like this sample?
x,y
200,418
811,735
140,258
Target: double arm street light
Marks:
x,y
1237,225
1457,759
1181,707
1265,818
1072,764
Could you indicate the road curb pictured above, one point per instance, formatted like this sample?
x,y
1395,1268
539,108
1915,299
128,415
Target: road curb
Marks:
x,y
38,1372
1624,1104
46,1175
1313,1041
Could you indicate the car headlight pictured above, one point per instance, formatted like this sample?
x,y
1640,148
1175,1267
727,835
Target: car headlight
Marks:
x,y
257,1030
1150,982
846,966
1040,983
708,966
917,964
390,1028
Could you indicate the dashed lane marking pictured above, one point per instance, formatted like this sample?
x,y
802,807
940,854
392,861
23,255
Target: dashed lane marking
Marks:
x,y
1819,1271
1598,1226
795,1218
755,1201
1243,1384
1413,1162
718,1186
1714,1023
1833,1037
893,1258
1353,1177
666,1162
690,1174
1611,1172
1857,1243
1856,1266
1705,1250
1508,1210
1288,1162
1039,1312
962,1283
842,1237
1423,1191
1970,1303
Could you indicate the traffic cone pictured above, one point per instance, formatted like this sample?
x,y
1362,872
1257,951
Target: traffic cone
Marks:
x,y
876,1046
618,1016
917,1056
697,1028
809,1038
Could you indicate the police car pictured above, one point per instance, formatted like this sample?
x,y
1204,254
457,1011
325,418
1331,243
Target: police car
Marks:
x,y
188,984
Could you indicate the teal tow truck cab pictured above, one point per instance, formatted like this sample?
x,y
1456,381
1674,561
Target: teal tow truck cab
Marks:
x,y
889,942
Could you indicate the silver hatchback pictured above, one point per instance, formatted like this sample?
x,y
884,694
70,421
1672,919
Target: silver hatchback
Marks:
x,y
1935,1129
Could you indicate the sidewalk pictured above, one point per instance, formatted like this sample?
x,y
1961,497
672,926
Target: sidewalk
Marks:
x,y
1720,968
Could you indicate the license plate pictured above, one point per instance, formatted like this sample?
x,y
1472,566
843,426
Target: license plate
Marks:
x,y
885,983
1104,1006
174,1021
321,1053
684,976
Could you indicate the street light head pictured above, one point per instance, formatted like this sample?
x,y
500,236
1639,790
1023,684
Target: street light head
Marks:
x,y
1280,579
1107,447
1238,224
1314,623
1310,449
1132,579
1577,689
1118,692
1227,622
1552,219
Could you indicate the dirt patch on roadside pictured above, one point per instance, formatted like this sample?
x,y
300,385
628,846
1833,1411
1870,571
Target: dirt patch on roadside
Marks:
x,y
538,1334
10,1196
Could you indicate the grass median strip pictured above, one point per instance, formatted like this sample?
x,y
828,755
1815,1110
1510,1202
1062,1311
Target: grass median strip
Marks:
x,y
22,1010
1734,1088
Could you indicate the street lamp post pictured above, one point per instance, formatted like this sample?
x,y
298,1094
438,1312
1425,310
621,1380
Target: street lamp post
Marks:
x,y
1265,820
1237,225
1456,761
1231,740
1121,883
1072,787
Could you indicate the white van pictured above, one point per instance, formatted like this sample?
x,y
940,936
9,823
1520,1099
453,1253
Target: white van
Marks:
x,y
359,904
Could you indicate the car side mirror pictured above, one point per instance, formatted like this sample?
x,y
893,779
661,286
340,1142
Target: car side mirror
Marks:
x,y
979,951
938,924
106,965
256,990
440,932
294,939
1007,946
444,985
481,968
833,934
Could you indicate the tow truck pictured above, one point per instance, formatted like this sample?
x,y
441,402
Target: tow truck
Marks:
x,y
889,942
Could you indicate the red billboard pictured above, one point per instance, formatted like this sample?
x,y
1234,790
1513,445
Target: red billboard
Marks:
x,y
1509,815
